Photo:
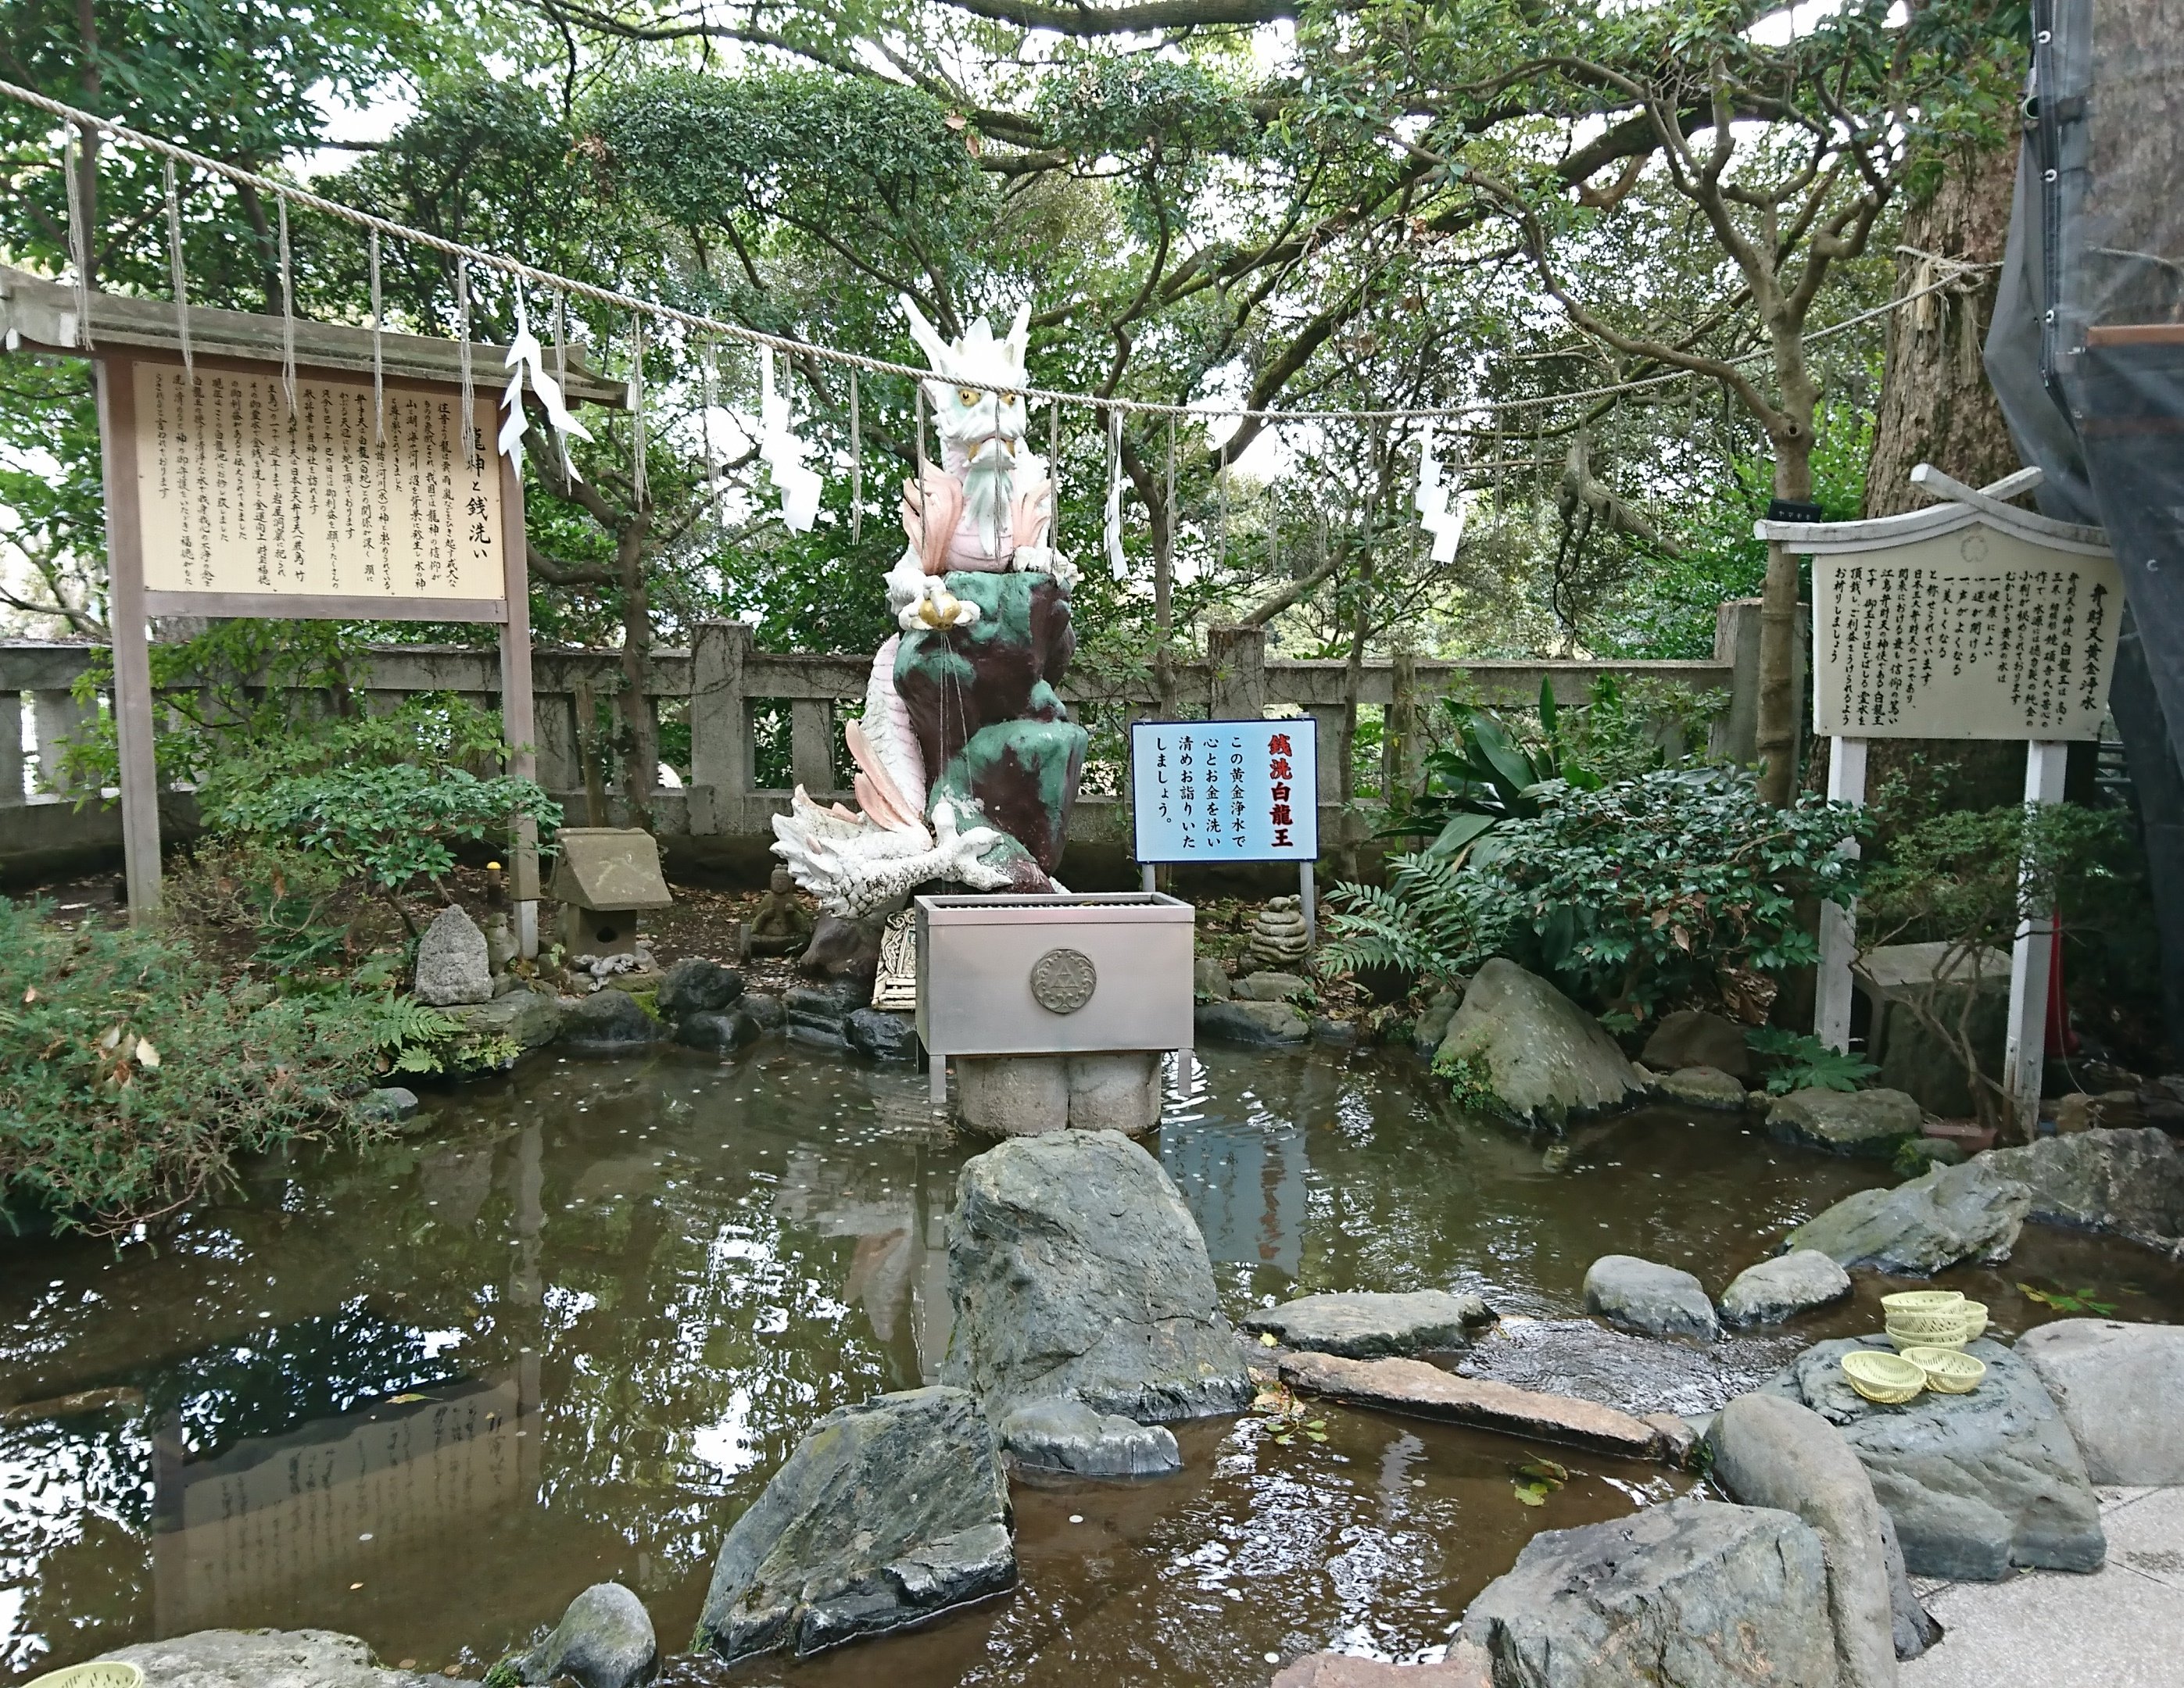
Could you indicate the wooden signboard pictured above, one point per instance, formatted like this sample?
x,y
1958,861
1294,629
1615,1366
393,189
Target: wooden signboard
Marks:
x,y
362,500
221,499
344,506
1969,619
1979,633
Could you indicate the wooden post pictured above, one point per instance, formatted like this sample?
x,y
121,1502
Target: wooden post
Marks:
x,y
1838,925
518,717
132,661
2025,1054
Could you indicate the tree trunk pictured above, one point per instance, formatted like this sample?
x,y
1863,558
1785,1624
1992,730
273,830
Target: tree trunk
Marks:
x,y
1935,405
641,765
1777,735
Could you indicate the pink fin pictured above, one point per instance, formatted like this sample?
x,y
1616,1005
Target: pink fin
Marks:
x,y
877,792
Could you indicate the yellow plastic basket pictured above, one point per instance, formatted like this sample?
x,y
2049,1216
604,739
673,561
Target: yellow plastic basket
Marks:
x,y
1901,1339
106,1673
1947,1372
1974,1320
1921,1301
1888,1379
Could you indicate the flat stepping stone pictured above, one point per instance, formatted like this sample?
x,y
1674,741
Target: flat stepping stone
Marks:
x,y
1367,1325
1704,1087
1419,1391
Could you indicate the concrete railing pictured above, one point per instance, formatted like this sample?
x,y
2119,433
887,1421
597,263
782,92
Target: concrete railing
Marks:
x,y
737,699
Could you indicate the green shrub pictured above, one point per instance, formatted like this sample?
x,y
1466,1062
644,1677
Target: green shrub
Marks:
x,y
1638,896
381,798
1967,878
130,1076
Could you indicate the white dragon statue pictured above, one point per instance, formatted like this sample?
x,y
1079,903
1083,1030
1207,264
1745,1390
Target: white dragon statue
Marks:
x,y
987,506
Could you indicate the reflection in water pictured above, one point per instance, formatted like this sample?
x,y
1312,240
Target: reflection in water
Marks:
x,y
427,1393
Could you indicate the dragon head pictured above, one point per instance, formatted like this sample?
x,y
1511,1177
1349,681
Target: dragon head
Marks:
x,y
976,391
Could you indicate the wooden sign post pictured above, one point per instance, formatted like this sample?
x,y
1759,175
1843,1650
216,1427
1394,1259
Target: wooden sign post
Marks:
x,y
1971,618
345,486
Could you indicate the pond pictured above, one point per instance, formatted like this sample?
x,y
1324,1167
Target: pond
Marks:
x,y
426,1392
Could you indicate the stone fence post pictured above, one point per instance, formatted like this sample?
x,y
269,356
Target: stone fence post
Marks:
x,y
1236,665
1734,735
720,728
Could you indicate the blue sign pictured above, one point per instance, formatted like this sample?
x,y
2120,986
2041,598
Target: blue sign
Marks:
x,y
1226,790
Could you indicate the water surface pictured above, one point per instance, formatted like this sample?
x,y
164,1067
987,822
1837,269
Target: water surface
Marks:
x,y
426,1392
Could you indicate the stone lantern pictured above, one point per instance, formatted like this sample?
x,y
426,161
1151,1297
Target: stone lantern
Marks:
x,y
605,878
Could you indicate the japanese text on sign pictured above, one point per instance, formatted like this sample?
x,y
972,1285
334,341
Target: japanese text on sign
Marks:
x,y
241,494
1974,634
1226,790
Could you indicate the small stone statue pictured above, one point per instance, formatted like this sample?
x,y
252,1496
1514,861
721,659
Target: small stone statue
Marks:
x,y
780,924
1278,933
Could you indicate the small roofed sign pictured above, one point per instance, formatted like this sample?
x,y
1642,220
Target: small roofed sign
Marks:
x,y
1226,790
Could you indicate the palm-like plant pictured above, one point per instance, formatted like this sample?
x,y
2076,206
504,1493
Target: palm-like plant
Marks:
x,y
1486,773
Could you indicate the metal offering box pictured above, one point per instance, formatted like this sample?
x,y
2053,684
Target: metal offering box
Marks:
x,y
1074,975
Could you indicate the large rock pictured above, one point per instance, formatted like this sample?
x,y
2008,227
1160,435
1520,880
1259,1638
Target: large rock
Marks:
x,y
1772,1452
531,1019
1692,1037
1699,1594
1209,980
1433,1021
1054,1434
2121,1389
264,1658
1545,1058
452,965
1251,1022
1419,1391
722,1032
2131,1183
391,1105
820,1014
1870,1123
1975,1483
1364,1326
882,1035
605,1640
694,985
1704,1087
1781,1288
1916,1627
609,1022
1269,987
843,949
885,1514
1921,1227
1076,1271
1644,1295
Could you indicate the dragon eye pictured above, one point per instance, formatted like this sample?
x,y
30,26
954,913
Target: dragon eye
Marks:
x,y
1011,397
969,395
